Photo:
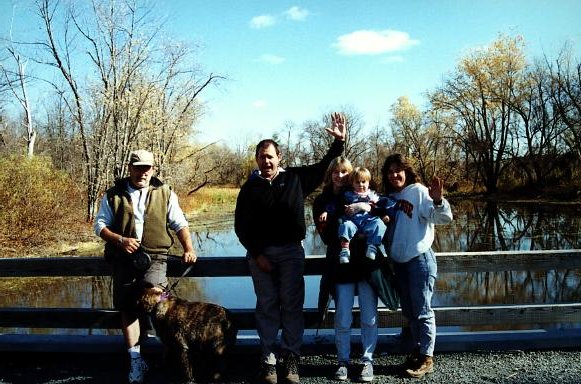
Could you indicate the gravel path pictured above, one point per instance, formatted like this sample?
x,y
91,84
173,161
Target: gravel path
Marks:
x,y
483,367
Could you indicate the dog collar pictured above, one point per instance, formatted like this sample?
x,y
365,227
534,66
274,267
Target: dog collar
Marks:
x,y
164,296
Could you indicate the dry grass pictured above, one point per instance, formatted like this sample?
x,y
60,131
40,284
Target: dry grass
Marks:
x,y
210,200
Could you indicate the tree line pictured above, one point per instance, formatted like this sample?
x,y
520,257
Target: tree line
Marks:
x,y
113,82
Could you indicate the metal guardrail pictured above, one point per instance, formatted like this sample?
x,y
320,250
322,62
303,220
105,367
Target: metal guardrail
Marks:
x,y
531,318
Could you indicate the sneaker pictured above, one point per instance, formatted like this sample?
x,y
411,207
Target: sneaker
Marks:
x,y
366,373
341,373
424,366
371,251
290,368
267,374
137,370
344,256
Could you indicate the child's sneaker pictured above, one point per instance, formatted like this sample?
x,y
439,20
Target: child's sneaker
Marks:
x,y
382,248
344,256
371,251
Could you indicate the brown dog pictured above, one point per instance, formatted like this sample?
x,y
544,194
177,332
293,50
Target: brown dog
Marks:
x,y
190,331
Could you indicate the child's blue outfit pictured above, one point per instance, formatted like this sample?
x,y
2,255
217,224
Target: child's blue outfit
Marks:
x,y
363,222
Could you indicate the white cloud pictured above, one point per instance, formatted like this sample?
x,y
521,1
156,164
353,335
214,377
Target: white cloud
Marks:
x,y
259,104
366,42
272,59
293,13
262,21
297,14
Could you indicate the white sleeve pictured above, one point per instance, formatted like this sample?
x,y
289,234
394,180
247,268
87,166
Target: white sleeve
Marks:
x,y
175,215
104,216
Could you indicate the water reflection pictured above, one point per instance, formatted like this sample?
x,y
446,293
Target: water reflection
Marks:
x,y
503,226
509,287
478,226
494,226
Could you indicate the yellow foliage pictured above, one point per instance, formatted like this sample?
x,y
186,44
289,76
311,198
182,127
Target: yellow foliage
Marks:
x,y
37,202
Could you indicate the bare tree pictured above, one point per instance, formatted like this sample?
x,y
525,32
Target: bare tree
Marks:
x,y
319,140
15,82
565,74
141,95
536,151
59,138
292,141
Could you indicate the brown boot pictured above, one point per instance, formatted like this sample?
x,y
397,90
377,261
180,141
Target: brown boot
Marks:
x,y
267,374
290,368
411,361
424,366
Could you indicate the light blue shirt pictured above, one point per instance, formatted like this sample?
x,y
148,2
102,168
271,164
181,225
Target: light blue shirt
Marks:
x,y
105,218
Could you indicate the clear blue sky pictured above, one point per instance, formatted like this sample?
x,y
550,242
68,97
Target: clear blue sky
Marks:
x,y
294,61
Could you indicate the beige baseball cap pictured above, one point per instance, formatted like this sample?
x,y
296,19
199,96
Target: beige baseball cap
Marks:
x,y
141,157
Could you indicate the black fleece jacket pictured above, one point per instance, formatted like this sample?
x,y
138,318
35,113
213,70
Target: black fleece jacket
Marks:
x,y
273,212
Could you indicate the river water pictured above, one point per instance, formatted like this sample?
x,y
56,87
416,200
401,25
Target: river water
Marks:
x,y
477,226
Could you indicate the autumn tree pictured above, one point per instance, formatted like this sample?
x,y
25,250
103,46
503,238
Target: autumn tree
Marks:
x,y
378,148
425,138
411,137
479,96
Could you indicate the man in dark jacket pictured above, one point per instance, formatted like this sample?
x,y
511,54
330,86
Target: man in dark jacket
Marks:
x,y
270,224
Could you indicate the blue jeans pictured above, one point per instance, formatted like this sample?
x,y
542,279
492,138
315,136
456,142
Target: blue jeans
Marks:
x,y
344,300
280,296
372,227
415,281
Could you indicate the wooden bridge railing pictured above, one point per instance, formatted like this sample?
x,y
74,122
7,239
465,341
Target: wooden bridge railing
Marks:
x,y
533,316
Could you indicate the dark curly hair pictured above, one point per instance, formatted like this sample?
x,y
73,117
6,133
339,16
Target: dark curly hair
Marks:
x,y
398,159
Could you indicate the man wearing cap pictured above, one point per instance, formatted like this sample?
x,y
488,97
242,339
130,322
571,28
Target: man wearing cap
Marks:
x,y
134,219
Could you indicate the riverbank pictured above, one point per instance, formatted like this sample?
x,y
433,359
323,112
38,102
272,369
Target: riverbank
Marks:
x,y
538,367
213,209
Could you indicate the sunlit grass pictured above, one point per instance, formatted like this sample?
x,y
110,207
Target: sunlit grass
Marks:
x,y
210,199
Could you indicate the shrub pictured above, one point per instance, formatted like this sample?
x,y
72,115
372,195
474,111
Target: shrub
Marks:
x,y
37,202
